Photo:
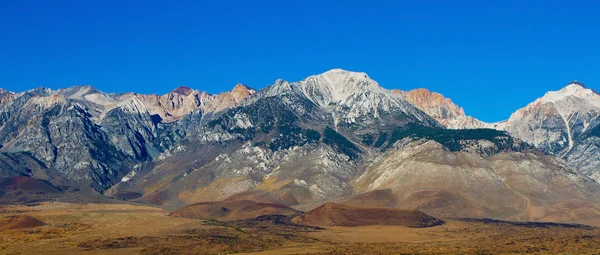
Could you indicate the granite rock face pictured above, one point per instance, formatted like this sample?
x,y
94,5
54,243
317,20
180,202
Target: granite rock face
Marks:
x,y
337,136
563,123
440,108
88,136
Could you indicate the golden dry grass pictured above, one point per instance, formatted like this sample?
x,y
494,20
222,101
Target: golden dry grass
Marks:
x,y
129,229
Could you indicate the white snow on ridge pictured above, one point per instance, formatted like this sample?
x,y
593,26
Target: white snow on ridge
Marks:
x,y
572,90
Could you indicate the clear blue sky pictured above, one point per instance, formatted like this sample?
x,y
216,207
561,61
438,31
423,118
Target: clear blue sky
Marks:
x,y
489,56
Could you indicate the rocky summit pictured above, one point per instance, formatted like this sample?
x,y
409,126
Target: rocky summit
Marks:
x,y
564,123
440,108
333,137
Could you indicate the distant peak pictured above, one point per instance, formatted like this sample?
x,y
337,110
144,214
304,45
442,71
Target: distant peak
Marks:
x,y
343,79
280,82
434,104
241,87
183,90
40,88
421,91
84,88
576,83
40,91
3,91
339,71
241,91
423,94
573,89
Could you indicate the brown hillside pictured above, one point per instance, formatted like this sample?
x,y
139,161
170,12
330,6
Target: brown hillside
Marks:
x,y
127,195
18,222
376,198
27,184
231,210
332,214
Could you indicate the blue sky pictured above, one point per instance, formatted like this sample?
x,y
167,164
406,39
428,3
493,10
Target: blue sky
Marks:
x,y
491,57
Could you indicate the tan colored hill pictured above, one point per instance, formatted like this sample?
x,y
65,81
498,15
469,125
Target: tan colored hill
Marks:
x,y
332,214
231,210
18,222
525,186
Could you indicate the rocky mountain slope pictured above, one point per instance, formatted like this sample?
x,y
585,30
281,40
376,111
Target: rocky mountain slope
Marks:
x,y
563,123
513,184
440,108
295,143
336,136
85,135
183,100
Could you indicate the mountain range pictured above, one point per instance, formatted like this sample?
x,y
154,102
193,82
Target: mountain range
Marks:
x,y
337,136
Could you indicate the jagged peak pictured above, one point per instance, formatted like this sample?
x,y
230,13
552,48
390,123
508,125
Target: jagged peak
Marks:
x,y
243,89
79,91
49,101
40,88
572,98
4,91
280,82
574,84
77,87
39,91
183,90
440,108
279,87
132,105
423,94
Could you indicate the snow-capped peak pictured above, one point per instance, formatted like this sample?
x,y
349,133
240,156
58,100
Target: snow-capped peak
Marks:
x,y
342,72
568,100
348,96
570,108
574,89
340,78
337,85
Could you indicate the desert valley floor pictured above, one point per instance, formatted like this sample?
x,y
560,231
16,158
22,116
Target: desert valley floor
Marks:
x,y
64,228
